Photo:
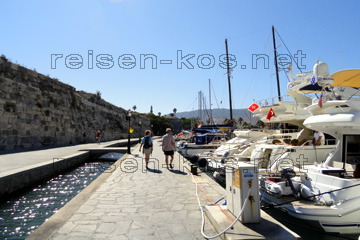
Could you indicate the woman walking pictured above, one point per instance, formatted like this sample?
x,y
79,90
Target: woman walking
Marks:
x,y
148,146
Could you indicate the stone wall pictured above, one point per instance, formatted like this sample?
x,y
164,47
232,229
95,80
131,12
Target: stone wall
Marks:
x,y
36,110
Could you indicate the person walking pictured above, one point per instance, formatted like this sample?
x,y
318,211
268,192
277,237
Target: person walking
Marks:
x,y
84,137
168,146
98,136
148,146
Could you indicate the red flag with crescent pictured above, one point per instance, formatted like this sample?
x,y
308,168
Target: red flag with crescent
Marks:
x,y
270,114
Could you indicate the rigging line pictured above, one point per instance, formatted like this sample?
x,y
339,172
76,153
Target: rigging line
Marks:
x,y
287,76
283,69
192,104
357,90
206,109
255,73
216,101
288,50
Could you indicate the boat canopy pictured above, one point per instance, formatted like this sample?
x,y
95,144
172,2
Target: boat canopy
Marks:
x,y
200,130
310,88
203,139
347,78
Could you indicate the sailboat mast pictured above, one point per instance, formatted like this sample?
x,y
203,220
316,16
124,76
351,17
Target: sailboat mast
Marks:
x,y
276,64
211,118
228,73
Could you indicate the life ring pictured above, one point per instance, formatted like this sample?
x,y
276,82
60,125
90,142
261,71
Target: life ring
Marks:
x,y
268,124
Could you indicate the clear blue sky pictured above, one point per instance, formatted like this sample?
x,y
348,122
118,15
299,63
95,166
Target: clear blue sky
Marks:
x,y
34,30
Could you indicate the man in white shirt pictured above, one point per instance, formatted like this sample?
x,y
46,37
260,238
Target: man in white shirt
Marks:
x,y
168,146
319,138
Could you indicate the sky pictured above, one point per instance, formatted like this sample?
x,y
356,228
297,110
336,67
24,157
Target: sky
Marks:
x,y
161,53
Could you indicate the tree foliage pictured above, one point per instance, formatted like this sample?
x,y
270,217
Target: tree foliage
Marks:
x,y
260,124
186,123
159,124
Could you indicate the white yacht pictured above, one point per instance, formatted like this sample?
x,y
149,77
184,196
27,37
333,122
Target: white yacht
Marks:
x,y
326,193
290,113
243,140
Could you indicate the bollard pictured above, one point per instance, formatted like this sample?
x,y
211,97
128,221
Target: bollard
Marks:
x,y
194,169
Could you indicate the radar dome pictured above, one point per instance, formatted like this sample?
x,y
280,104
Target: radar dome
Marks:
x,y
321,69
321,73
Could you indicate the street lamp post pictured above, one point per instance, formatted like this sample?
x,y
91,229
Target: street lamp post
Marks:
x,y
139,131
152,130
128,117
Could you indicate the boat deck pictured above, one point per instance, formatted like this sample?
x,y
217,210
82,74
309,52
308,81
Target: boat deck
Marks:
x,y
302,203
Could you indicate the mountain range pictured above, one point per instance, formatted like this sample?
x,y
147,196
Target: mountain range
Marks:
x,y
220,114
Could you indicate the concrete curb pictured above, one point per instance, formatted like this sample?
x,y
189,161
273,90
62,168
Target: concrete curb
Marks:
x,y
15,180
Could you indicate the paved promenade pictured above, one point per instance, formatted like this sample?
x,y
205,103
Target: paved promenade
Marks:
x,y
130,202
12,161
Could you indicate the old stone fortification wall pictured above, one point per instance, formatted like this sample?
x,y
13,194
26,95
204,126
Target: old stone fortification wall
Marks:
x,y
36,110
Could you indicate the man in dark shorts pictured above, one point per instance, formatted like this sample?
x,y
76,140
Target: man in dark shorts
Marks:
x,y
168,146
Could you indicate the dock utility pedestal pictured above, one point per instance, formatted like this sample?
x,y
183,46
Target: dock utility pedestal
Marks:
x,y
240,179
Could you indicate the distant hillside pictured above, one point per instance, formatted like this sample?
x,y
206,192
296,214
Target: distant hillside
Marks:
x,y
220,114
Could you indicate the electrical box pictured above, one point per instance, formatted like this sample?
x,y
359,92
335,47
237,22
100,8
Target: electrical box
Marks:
x,y
240,178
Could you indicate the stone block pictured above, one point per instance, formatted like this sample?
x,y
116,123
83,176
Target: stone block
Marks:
x,y
25,140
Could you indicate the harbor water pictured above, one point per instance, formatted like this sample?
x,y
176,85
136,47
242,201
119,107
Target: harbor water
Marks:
x,y
25,211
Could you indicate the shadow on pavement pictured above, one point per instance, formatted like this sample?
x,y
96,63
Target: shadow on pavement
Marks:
x,y
178,172
154,170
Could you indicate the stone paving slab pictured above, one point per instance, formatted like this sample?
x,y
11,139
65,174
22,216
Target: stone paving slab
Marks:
x,y
131,202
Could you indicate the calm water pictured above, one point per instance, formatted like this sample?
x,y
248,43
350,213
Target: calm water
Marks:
x,y
303,228
25,212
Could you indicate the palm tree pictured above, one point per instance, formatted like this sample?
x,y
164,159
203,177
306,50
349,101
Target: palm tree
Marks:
x,y
241,121
134,107
174,110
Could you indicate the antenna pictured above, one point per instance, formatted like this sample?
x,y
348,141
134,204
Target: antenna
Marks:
x,y
340,59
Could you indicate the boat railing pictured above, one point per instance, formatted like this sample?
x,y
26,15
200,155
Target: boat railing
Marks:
x,y
273,101
330,141
273,131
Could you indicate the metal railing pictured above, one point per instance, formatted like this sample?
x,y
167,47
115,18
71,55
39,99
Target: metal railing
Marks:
x,y
273,101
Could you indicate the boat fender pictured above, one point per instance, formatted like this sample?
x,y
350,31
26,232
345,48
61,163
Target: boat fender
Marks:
x,y
202,162
274,189
306,192
193,159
